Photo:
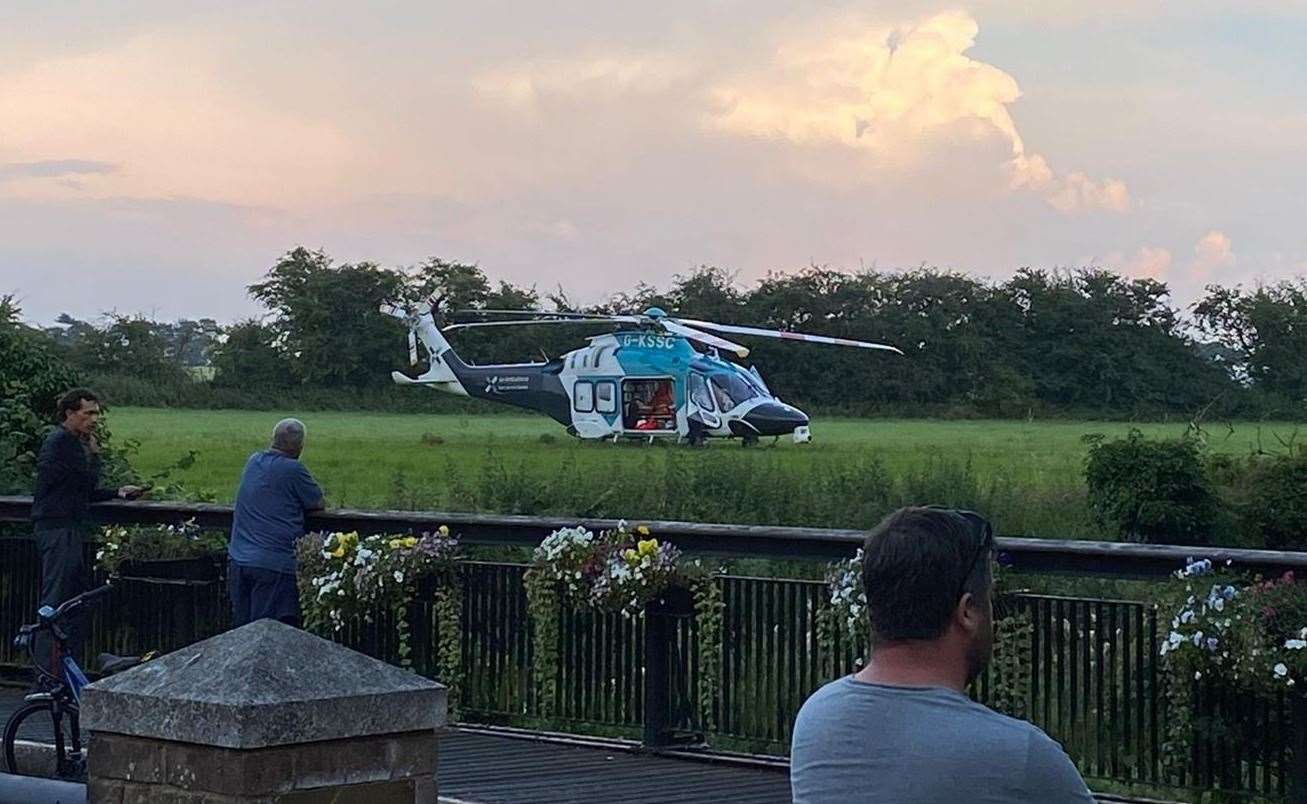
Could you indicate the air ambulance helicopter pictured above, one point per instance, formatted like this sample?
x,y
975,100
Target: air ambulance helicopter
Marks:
x,y
657,376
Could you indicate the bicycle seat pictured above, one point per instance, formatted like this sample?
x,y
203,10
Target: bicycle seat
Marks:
x,y
110,663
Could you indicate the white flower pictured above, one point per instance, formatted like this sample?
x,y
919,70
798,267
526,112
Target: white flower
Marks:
x,y
1198,675
99,554
1295,644
1219,604
1281,670
399,576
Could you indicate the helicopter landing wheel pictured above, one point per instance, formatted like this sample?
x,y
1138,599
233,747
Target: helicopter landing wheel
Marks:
x,y
749,441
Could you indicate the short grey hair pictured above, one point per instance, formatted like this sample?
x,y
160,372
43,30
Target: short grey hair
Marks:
x,y
288,436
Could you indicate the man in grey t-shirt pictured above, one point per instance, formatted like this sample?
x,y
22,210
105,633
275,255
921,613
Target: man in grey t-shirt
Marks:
x,y
902,729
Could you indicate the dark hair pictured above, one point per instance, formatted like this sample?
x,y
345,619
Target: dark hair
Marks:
x,y
72,401
914,564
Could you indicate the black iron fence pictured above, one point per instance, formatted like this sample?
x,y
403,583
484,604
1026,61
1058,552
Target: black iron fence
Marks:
x,y
1095,682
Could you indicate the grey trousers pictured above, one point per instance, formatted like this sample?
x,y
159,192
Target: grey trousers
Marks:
x,y
63,576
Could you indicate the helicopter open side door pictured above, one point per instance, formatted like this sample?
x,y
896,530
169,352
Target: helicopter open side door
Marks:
x,y
649,405
699,406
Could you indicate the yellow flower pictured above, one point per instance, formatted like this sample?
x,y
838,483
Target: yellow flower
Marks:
x,y
643,530
410,541
395,543
443,530
648,547
631,557
338,552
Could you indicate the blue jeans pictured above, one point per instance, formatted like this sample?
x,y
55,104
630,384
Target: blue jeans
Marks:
x,y
257,593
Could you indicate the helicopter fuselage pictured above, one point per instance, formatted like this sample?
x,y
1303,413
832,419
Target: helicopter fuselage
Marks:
x,y
627,384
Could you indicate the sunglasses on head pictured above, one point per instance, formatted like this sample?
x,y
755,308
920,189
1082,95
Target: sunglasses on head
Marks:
x,y
976,524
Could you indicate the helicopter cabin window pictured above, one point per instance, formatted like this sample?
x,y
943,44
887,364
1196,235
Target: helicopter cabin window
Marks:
x,y
699,392
606,397
583,397
730,390
649,405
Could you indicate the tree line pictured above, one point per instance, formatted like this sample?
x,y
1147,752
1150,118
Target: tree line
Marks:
x,y
1079,342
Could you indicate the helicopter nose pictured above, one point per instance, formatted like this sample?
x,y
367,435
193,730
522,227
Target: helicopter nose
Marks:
x,y
775,418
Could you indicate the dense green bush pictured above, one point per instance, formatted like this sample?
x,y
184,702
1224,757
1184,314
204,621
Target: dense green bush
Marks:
x,y
31,379
1152,490
1276,504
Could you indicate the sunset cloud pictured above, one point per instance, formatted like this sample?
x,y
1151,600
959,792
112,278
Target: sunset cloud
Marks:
x,y
1149,262
897,92
157,109
589,80
1213,253
171,153
1212,257
53,168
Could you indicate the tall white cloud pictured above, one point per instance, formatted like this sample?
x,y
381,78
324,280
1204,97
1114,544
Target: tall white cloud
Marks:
x,y
901,93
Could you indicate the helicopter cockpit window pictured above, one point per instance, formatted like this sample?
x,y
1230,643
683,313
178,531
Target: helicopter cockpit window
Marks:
x,y
730,390
606,397
699,392
583,397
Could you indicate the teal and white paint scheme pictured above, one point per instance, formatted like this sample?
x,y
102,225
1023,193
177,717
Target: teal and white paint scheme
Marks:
x,y
645,381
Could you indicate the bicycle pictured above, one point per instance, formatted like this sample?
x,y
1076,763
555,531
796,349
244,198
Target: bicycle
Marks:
x,y
58,688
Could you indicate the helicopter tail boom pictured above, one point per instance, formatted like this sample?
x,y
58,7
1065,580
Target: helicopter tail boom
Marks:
x,y
421,322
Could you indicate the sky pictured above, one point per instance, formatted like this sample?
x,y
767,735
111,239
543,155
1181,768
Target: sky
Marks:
x,y
158,157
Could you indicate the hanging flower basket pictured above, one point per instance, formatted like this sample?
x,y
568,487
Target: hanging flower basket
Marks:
x,y
624,571
182,552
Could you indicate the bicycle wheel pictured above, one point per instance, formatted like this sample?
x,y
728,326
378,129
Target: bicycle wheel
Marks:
x,y
33,746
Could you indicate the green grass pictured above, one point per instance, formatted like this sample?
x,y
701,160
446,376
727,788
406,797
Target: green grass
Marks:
x,y
1027,475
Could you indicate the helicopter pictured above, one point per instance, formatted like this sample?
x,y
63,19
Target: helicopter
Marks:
x,y
656,377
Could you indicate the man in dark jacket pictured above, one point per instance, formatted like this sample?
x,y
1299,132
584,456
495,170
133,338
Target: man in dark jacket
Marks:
x,y
67,482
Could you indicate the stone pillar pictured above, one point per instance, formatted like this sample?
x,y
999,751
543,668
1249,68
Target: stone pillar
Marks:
x,y
264,713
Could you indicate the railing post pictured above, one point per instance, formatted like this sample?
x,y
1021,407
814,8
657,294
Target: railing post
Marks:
x,y
657,678
1298,764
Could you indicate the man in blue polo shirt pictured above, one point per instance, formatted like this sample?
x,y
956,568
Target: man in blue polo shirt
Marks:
x,y
276,491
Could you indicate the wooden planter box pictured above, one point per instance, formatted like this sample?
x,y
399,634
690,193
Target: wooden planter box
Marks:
x,y
678,601
207,567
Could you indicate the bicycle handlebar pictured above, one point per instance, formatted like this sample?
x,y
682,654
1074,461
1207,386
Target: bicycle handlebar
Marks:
x,y
75,602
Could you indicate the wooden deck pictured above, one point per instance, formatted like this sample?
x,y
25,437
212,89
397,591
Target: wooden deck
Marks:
x,y
485,768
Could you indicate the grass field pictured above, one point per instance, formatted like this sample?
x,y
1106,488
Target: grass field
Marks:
x,y
1026,475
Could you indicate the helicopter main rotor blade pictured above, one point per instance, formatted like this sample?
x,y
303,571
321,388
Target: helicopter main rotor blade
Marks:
x,y
703,337
621,319
789,336
538,314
